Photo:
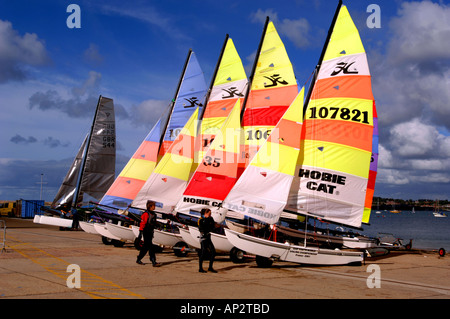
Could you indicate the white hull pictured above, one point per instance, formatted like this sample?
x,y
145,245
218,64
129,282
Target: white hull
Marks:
x,y
292,253
36,219
348,242
359,243
188,239
88,228
55,221
161,237
165,238
124,233
103,231
220,242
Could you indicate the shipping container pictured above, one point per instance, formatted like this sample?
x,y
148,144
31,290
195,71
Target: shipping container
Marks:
x,y
31,208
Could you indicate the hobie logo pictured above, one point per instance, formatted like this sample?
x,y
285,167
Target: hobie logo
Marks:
x,y
193,101
232,92
344,68
275,80
323,180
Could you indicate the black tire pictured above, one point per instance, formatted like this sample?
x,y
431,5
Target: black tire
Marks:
x,y
118,243
264,262
180,249
237,256
106,240
441,252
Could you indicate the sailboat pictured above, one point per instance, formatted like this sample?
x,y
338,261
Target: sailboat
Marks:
x,y
93,169
331,177
436,212
189,95
272,88
220,122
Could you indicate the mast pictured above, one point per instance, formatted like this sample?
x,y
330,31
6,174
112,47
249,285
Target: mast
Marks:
x,y
163,132
319,63
255,62
80,177
213,79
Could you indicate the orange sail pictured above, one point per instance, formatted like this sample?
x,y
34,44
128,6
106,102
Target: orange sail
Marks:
x,y
273,88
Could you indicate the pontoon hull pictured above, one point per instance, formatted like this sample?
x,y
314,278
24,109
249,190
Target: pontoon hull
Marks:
x,y
124,233
220,242
188,239
292,253
103,231
55,221
88,228
161,237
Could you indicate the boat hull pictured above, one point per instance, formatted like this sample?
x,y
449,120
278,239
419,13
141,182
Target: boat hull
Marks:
x,y
161,237
220,242
103,231
188,239
124,233
55,221
292,253
88,228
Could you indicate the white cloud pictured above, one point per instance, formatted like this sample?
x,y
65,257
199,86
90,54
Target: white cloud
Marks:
x,y
421,33
413,138
19,52
297,31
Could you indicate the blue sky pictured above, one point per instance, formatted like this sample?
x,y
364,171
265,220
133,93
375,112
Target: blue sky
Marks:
x,y
133,52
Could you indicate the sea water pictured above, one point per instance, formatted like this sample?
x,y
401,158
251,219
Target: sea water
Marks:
x,y
425,230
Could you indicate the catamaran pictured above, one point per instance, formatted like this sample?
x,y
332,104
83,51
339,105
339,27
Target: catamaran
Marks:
x,y
335,171
120,198
92,171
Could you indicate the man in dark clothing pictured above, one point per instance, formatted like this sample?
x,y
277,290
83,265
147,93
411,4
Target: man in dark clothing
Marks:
x,y
206,225
146,228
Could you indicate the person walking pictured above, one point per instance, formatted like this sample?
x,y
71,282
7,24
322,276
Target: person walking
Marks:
x,y
206,225
146,228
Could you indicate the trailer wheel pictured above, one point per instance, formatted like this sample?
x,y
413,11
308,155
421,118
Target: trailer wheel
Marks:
x,y
180,249
106,240
441,252
237,256
264,262
118,243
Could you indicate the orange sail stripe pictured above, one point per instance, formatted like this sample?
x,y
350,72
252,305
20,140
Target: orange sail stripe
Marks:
x,y
287,135
220,108
272,96
184,146
222,163
358,87
340,132
126,187
147,150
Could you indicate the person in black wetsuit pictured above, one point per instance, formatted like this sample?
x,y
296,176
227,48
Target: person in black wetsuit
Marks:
x,y
146,228
206,225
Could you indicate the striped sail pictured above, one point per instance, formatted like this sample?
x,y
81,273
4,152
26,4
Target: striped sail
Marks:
x,y
135,173
228,85
262,190
169,179
191,94
373,169
273,89
217,173
333,170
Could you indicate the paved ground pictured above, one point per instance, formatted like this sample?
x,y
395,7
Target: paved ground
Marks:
x,y
37,257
